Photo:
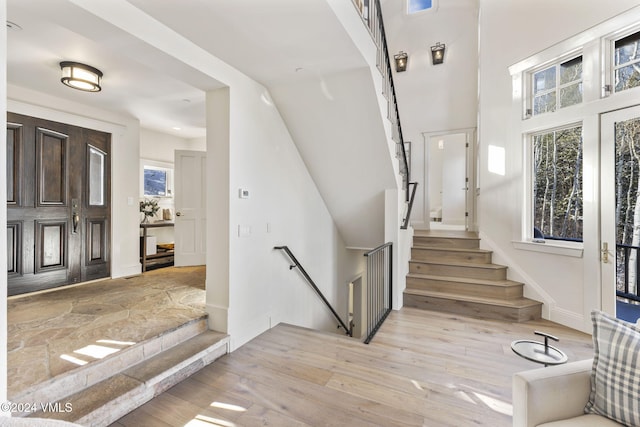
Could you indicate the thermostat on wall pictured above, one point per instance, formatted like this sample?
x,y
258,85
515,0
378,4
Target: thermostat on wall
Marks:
x,y
243,193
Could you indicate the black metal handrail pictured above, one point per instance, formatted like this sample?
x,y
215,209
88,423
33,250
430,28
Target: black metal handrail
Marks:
x,y
371,13
379,287
407,217
296,264
622,263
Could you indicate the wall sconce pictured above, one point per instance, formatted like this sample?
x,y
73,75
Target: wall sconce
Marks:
x,y
437,53
401,61
81,76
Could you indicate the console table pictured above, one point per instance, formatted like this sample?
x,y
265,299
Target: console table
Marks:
x,y
144,257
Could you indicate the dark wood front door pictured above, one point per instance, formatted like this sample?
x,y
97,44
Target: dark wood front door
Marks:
x,y
58,204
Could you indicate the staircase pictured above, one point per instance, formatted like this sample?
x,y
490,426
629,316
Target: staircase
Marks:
x,y
100,393
448,272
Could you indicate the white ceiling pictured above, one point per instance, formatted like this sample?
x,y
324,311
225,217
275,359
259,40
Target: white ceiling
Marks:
x,y
271,41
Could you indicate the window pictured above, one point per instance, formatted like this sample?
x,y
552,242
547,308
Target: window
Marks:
x,y
415,6
97,160
557,184
557,86
626,62
157,181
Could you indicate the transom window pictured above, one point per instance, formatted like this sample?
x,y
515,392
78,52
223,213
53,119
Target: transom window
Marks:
x,y
557,86
557,184
415,6
626,62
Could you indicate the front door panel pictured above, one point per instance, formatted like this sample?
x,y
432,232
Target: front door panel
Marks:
x,y
48,208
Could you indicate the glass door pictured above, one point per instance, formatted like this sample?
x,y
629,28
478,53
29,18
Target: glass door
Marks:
x,y
620,212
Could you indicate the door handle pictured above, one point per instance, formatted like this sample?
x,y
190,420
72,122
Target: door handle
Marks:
x,y
604,252
75,218
178,213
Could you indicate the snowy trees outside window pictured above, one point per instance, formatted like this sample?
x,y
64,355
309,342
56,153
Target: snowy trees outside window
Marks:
x,y
557,183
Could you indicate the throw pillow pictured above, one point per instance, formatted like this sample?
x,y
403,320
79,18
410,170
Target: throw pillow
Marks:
x,y
615,377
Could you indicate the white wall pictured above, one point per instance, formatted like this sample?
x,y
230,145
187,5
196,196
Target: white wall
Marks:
x,y
197,144
249,285
529,27
161,146
346,151
440,98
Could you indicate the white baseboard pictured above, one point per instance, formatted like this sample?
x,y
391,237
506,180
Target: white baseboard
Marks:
x,y
570,319
127,271
218,318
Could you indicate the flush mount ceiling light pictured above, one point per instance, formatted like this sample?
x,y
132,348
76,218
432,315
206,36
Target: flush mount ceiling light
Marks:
x,y
401,61
437,53
81,76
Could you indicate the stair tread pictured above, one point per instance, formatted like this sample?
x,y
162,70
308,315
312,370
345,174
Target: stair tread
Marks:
x,y
169,359
451,234
459,264
487,282
152,370
451,249
519,302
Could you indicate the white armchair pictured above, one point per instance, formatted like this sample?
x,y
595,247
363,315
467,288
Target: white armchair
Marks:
x,y
555,397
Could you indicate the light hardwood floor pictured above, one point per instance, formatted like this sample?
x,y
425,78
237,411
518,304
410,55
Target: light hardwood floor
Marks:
x,y
422,369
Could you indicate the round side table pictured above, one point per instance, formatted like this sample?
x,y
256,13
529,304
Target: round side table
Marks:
x,y
539,352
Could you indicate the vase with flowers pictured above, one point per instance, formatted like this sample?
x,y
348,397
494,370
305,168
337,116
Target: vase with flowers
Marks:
x,y
148,207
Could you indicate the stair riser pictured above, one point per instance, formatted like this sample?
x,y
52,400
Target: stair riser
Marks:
x,y
117,408
83,377
443,242
470,289
442,255
466,308
489,273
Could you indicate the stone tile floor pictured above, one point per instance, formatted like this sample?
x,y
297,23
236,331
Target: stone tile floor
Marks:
x,y
46,330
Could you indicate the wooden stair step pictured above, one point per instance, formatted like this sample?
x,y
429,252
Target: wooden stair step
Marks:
x,y
480,287
501,283
510,302
511,309
446,239
449,234
434,253
459,269
452,249
107,401
489,266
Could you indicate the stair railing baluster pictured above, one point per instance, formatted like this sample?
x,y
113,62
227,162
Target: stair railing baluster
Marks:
x,y
379,287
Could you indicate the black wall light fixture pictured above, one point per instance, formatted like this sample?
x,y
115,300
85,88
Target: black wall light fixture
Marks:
x,y
401,61
437,53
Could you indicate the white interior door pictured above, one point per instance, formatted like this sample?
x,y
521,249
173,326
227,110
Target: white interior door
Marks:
x,y
454,173
190,200
620,130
